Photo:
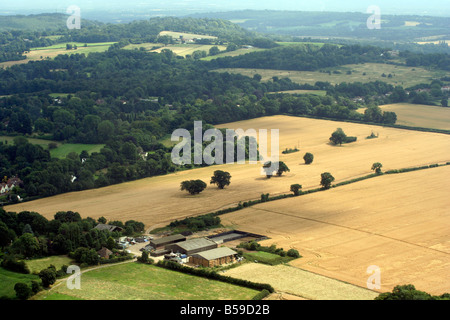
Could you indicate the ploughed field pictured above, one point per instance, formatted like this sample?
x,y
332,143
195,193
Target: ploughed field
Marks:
x,y
159,200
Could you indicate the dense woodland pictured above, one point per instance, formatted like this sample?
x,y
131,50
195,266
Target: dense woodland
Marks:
x,y
31,235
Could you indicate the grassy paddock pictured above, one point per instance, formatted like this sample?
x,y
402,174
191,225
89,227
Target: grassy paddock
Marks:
x,y
63,150
42,142
366,72
8,280
37,265
135,281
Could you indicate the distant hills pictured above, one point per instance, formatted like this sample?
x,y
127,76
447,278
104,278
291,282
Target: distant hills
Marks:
x,y
38,22
337,24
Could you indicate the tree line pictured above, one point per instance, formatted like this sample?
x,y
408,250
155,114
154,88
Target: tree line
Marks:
x,y
28,235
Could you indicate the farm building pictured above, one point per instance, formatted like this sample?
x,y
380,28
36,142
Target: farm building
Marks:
x,y
108,227
235,235
213,257
104,253
161,243
192,246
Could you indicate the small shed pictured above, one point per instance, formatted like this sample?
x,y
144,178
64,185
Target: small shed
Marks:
x,y
214,257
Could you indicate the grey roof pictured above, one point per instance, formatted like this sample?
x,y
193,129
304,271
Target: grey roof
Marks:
x,y
109,227
195,244
175,237
216,253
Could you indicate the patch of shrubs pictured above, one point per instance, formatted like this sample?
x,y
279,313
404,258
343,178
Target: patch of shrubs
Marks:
x,y
11,263
255,246
261,295
197,223
409,292
287,151
350,139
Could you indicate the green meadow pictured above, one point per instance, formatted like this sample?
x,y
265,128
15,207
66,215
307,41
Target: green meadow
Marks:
x,y
136,281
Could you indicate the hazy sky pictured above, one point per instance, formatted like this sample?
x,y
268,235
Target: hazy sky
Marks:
x,y
397,7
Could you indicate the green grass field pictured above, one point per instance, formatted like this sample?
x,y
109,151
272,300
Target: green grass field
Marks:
x,y
37,265
366,72
42,142
135,281
64,149
80,45
8,280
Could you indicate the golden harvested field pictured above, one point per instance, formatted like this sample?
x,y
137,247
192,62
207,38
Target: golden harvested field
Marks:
x,y
300,283
399,223
418,115
158,200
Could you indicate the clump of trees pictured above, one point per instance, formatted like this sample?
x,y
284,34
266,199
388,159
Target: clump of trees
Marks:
x,y
308,158
296,189
255,246
278,167
193,186
33,236
409,292
339,137
221,179
377,167
198,223
326,180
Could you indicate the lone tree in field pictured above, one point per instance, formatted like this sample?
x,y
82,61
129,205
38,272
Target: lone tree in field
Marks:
x,y
282,167
221,178
193,186
295,188
308,157
338,137
269,168
326,180
377,167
